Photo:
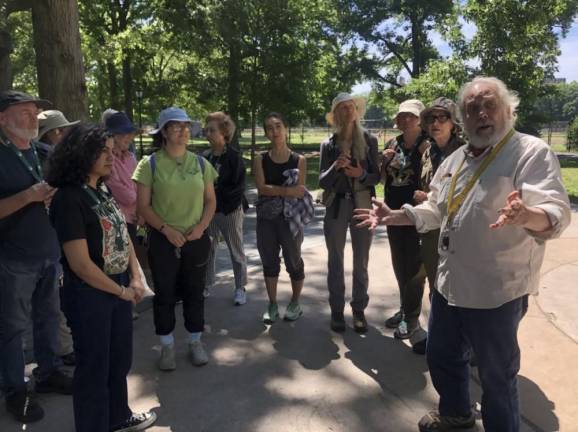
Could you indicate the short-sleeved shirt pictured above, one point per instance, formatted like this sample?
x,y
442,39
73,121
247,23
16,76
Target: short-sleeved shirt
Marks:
x,y
26,235
177,189
76,215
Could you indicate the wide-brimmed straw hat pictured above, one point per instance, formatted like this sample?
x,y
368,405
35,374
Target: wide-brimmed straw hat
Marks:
x,y
52,119
359,101
170,114
412,106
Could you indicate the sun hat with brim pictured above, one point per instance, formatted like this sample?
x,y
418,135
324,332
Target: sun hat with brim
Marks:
x,y
168,115
359,101
15,97
52,119
442,104
119,124
412,106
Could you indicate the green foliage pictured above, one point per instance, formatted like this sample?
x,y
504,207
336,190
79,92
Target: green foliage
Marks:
x,y
572,142
560,103
19,25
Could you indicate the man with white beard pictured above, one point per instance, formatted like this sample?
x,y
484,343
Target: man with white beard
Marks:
x,y
29,253
496,202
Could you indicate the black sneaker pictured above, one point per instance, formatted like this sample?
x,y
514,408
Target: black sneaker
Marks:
x,y
419,347
393,321
434,422
359,322
24,407
57,382
337,322
136,422
68,359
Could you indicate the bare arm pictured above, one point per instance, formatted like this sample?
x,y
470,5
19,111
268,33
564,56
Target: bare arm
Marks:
x,y
76,252
280,191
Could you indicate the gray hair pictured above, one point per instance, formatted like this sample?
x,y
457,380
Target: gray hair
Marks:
x,y
508,97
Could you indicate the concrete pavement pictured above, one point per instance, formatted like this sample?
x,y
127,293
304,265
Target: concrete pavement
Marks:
x,y
303,377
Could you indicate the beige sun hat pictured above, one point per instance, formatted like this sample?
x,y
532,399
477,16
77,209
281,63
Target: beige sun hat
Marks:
x,y
412,106
359,101
52,119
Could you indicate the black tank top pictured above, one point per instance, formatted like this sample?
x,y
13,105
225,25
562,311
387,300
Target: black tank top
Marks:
x,y
273,172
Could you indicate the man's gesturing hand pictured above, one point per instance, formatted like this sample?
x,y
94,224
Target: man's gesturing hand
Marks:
x,y
371,218
514,213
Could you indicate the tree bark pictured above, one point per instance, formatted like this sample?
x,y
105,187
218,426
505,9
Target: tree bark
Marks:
x,y
127,82
59,62
6,48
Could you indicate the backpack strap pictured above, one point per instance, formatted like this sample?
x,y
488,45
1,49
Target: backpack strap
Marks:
x,y
201,160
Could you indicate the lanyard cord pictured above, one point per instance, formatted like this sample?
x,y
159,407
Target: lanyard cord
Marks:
x,y
455,202
36,173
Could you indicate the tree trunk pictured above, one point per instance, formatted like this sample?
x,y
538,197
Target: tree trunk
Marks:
x,y
127,83
113,85
59,57
416,45
6,48
234,79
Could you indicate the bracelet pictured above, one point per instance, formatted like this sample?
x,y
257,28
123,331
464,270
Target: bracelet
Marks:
x,y
163,226
122,291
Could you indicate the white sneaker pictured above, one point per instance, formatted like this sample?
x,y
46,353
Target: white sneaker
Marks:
x,y
240,297
167,359
198,354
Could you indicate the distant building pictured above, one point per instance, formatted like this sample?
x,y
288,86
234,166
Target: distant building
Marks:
x,y
555,81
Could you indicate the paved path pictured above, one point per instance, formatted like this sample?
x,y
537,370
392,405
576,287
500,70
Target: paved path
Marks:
x,y
302,377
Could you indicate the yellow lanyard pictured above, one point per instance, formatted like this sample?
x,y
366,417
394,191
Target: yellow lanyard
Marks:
x,y
455,202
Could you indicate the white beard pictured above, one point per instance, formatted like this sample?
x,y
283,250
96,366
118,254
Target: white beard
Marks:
x,y
25,134
481,142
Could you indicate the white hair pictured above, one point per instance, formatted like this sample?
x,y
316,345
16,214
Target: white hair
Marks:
x,y
509,98
359,147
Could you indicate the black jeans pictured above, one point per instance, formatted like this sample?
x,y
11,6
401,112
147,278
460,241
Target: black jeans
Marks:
x,y
176,278
101,325
408,269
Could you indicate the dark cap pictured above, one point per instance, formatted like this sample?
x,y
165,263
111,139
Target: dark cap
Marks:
x,y
15,97
119,123
444,104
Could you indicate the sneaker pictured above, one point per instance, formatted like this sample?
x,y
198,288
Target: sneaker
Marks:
x,y
240,297
434,422
293,312
136,422
337,322
198,354
359,322
393,321
419,347
24,407
418,341
56,382
68,359
167,359
405,330
272,314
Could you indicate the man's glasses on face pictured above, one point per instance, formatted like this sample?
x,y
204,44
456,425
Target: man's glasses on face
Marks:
x,y
442,118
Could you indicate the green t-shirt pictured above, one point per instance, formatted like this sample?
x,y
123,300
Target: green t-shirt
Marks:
x,y
177,189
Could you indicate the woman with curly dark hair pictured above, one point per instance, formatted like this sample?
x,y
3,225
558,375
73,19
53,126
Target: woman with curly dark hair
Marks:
x,y
101,280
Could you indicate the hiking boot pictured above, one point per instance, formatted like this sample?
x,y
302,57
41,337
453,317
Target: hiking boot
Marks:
x,y
198,354
393,321
240,297
405,330
272,314
56,382
136,422
24,407
434,422
359,322
167,359
337,322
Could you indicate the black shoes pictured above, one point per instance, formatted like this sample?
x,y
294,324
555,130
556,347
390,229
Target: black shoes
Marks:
x,y
359,322
434,422
136,422
393,322
24,407
57,382
337,322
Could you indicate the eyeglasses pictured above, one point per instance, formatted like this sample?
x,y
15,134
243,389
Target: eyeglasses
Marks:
x,y
442,118
178,127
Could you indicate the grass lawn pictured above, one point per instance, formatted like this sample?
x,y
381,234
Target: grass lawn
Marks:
x,y
570,178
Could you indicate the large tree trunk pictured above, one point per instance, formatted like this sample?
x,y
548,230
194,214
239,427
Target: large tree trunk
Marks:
x,y
59,57
5,64
127,82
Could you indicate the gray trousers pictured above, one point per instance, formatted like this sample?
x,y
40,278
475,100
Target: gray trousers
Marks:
x,y
231,227
335,227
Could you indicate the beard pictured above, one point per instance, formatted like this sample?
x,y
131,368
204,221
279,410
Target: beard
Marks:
x,y
484,141
24,134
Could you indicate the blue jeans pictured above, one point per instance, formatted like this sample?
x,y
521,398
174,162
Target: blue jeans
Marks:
x,y
492,335
28,291
101,325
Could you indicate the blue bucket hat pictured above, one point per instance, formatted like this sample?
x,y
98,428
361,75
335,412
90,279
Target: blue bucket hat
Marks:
x,y
119,123
170,114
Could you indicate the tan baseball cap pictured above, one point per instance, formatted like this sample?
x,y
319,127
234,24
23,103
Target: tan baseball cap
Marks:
x,y
413,106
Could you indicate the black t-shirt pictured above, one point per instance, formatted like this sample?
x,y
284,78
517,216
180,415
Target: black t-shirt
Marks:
x,y
403,173
273,172
25,235
76,215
